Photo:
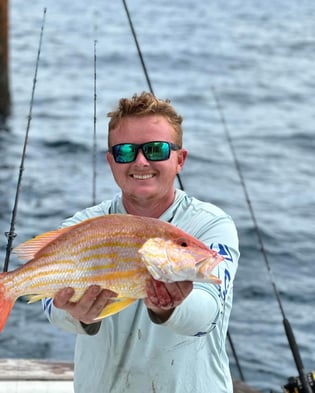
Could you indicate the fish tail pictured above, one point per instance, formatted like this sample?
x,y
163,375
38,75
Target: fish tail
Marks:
x,y
6,304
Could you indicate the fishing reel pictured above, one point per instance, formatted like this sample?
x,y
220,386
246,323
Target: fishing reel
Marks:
x,y
294,384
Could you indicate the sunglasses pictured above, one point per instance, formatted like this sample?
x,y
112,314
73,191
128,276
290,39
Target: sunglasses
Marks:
x,y
153,151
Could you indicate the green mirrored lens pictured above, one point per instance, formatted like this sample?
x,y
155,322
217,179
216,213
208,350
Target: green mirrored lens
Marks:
x,y
156,151
125,152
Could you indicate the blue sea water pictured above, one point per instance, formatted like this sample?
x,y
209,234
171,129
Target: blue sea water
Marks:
x,y
258,58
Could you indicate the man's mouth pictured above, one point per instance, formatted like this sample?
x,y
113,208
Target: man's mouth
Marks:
x,y
143,177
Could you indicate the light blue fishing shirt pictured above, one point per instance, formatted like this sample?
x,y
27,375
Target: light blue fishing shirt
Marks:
x,y
186,354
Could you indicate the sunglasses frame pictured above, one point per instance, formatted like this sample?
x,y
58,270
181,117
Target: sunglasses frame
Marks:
x,y
142,146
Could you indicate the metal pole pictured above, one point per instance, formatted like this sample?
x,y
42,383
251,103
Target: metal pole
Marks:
x,y
4,67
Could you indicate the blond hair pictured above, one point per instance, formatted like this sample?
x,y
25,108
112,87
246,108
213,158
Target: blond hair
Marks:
x,y
143,105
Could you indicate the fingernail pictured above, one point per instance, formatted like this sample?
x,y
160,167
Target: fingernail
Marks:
x,y
68,291
95,290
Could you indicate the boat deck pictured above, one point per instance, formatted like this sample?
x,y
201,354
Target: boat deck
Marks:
x,y
43,376
35,376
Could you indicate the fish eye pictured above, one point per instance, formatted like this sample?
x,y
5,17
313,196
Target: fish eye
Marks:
x,y
182,242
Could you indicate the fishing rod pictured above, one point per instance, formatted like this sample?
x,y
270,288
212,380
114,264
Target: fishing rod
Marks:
x,y
144,66
94,133
304,378
178,176
11,234
138,46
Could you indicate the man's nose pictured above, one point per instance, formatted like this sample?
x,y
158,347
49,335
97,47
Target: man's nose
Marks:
x,y
140,158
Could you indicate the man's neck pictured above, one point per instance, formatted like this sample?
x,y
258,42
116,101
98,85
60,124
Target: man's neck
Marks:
x,y
147,208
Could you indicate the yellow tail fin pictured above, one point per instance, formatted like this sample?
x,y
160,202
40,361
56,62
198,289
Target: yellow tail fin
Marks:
x,y
6,304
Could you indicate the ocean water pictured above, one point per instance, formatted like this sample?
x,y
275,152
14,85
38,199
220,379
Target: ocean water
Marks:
x,y
258,58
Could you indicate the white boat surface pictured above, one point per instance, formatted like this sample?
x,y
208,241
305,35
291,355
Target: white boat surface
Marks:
x,y
44,376
35,376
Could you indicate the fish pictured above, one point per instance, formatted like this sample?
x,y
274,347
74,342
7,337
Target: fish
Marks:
x,y
120,252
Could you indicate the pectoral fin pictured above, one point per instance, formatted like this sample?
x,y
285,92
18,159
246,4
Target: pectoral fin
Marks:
x,y
113,308
35,298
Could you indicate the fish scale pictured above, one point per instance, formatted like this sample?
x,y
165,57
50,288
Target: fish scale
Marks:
x,y
112,251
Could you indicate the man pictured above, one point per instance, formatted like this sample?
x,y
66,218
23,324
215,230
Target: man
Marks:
x,y
174,340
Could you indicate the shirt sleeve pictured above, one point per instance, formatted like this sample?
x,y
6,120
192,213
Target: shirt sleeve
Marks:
x,y
61,318
197,315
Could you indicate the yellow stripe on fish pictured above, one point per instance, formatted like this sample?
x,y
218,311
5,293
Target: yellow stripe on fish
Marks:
x,y
118,252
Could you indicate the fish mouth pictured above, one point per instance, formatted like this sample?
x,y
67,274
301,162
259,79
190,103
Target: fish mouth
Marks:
x,y
206,265
202,264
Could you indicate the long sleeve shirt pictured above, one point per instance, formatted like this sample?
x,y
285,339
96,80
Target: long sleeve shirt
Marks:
x,y
131,351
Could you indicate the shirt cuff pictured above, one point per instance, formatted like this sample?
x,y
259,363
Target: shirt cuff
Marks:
x,y
196,316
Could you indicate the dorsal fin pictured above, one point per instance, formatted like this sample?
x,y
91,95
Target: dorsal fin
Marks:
x,y
28,250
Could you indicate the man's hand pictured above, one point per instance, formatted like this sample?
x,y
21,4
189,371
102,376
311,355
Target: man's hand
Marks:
x,y
93,301
162,298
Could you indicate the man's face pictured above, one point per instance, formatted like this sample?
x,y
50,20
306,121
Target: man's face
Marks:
x,y
143,179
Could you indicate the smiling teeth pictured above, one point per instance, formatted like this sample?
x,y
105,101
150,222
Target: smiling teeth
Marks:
x,y
142,177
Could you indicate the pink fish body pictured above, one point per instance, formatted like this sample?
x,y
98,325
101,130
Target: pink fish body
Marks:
x,y
118,252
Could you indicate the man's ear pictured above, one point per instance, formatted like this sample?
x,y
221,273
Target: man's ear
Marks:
x,y
181,157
